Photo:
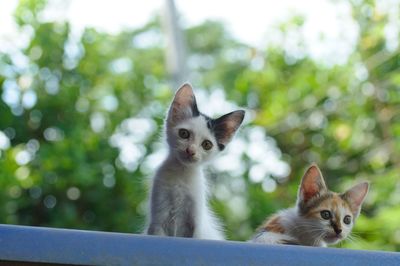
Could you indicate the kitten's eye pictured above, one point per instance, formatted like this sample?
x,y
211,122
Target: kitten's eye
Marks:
x,y
347,219
184,133
326,214
207,145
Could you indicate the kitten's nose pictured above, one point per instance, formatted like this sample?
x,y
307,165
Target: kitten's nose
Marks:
x,y
337,230
190,152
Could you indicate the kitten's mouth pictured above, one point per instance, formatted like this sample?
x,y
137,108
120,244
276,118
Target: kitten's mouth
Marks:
x,y
333,238
188,159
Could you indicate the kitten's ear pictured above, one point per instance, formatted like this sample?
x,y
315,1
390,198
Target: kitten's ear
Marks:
x,y
355,197
183,106
312,184
225,127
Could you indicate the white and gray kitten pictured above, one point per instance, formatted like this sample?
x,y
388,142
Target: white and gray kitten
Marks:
x,y
178,204
320,217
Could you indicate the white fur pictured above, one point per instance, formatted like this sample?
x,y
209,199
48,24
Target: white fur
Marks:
x,y
271,238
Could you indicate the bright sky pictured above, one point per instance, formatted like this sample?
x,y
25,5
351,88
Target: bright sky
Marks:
x,y
250,21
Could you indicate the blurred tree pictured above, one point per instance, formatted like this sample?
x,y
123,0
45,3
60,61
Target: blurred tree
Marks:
x,y
81,116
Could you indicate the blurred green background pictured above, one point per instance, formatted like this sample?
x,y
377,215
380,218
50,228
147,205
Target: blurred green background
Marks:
x,y
81,120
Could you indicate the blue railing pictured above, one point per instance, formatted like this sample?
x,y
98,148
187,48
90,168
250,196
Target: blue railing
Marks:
x,y
47,245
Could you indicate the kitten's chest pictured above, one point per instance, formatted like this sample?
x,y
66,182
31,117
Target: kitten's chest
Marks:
x,y
190,188
180,193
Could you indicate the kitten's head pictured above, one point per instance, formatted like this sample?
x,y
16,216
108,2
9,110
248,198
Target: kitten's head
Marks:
x,y
194,137
329,216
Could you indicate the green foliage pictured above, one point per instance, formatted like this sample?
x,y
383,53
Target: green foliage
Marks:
x,y
64,166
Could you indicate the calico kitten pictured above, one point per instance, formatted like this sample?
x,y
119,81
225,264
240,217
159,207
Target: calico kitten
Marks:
x,y
320,217
179,193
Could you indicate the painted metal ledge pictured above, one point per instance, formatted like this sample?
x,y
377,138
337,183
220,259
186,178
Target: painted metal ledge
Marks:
x,y
24,245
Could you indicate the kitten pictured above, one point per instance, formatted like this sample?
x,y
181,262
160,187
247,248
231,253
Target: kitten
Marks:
x,y
179,193
320,218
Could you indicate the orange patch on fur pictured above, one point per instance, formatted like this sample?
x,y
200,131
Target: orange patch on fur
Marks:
x,y
273,225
